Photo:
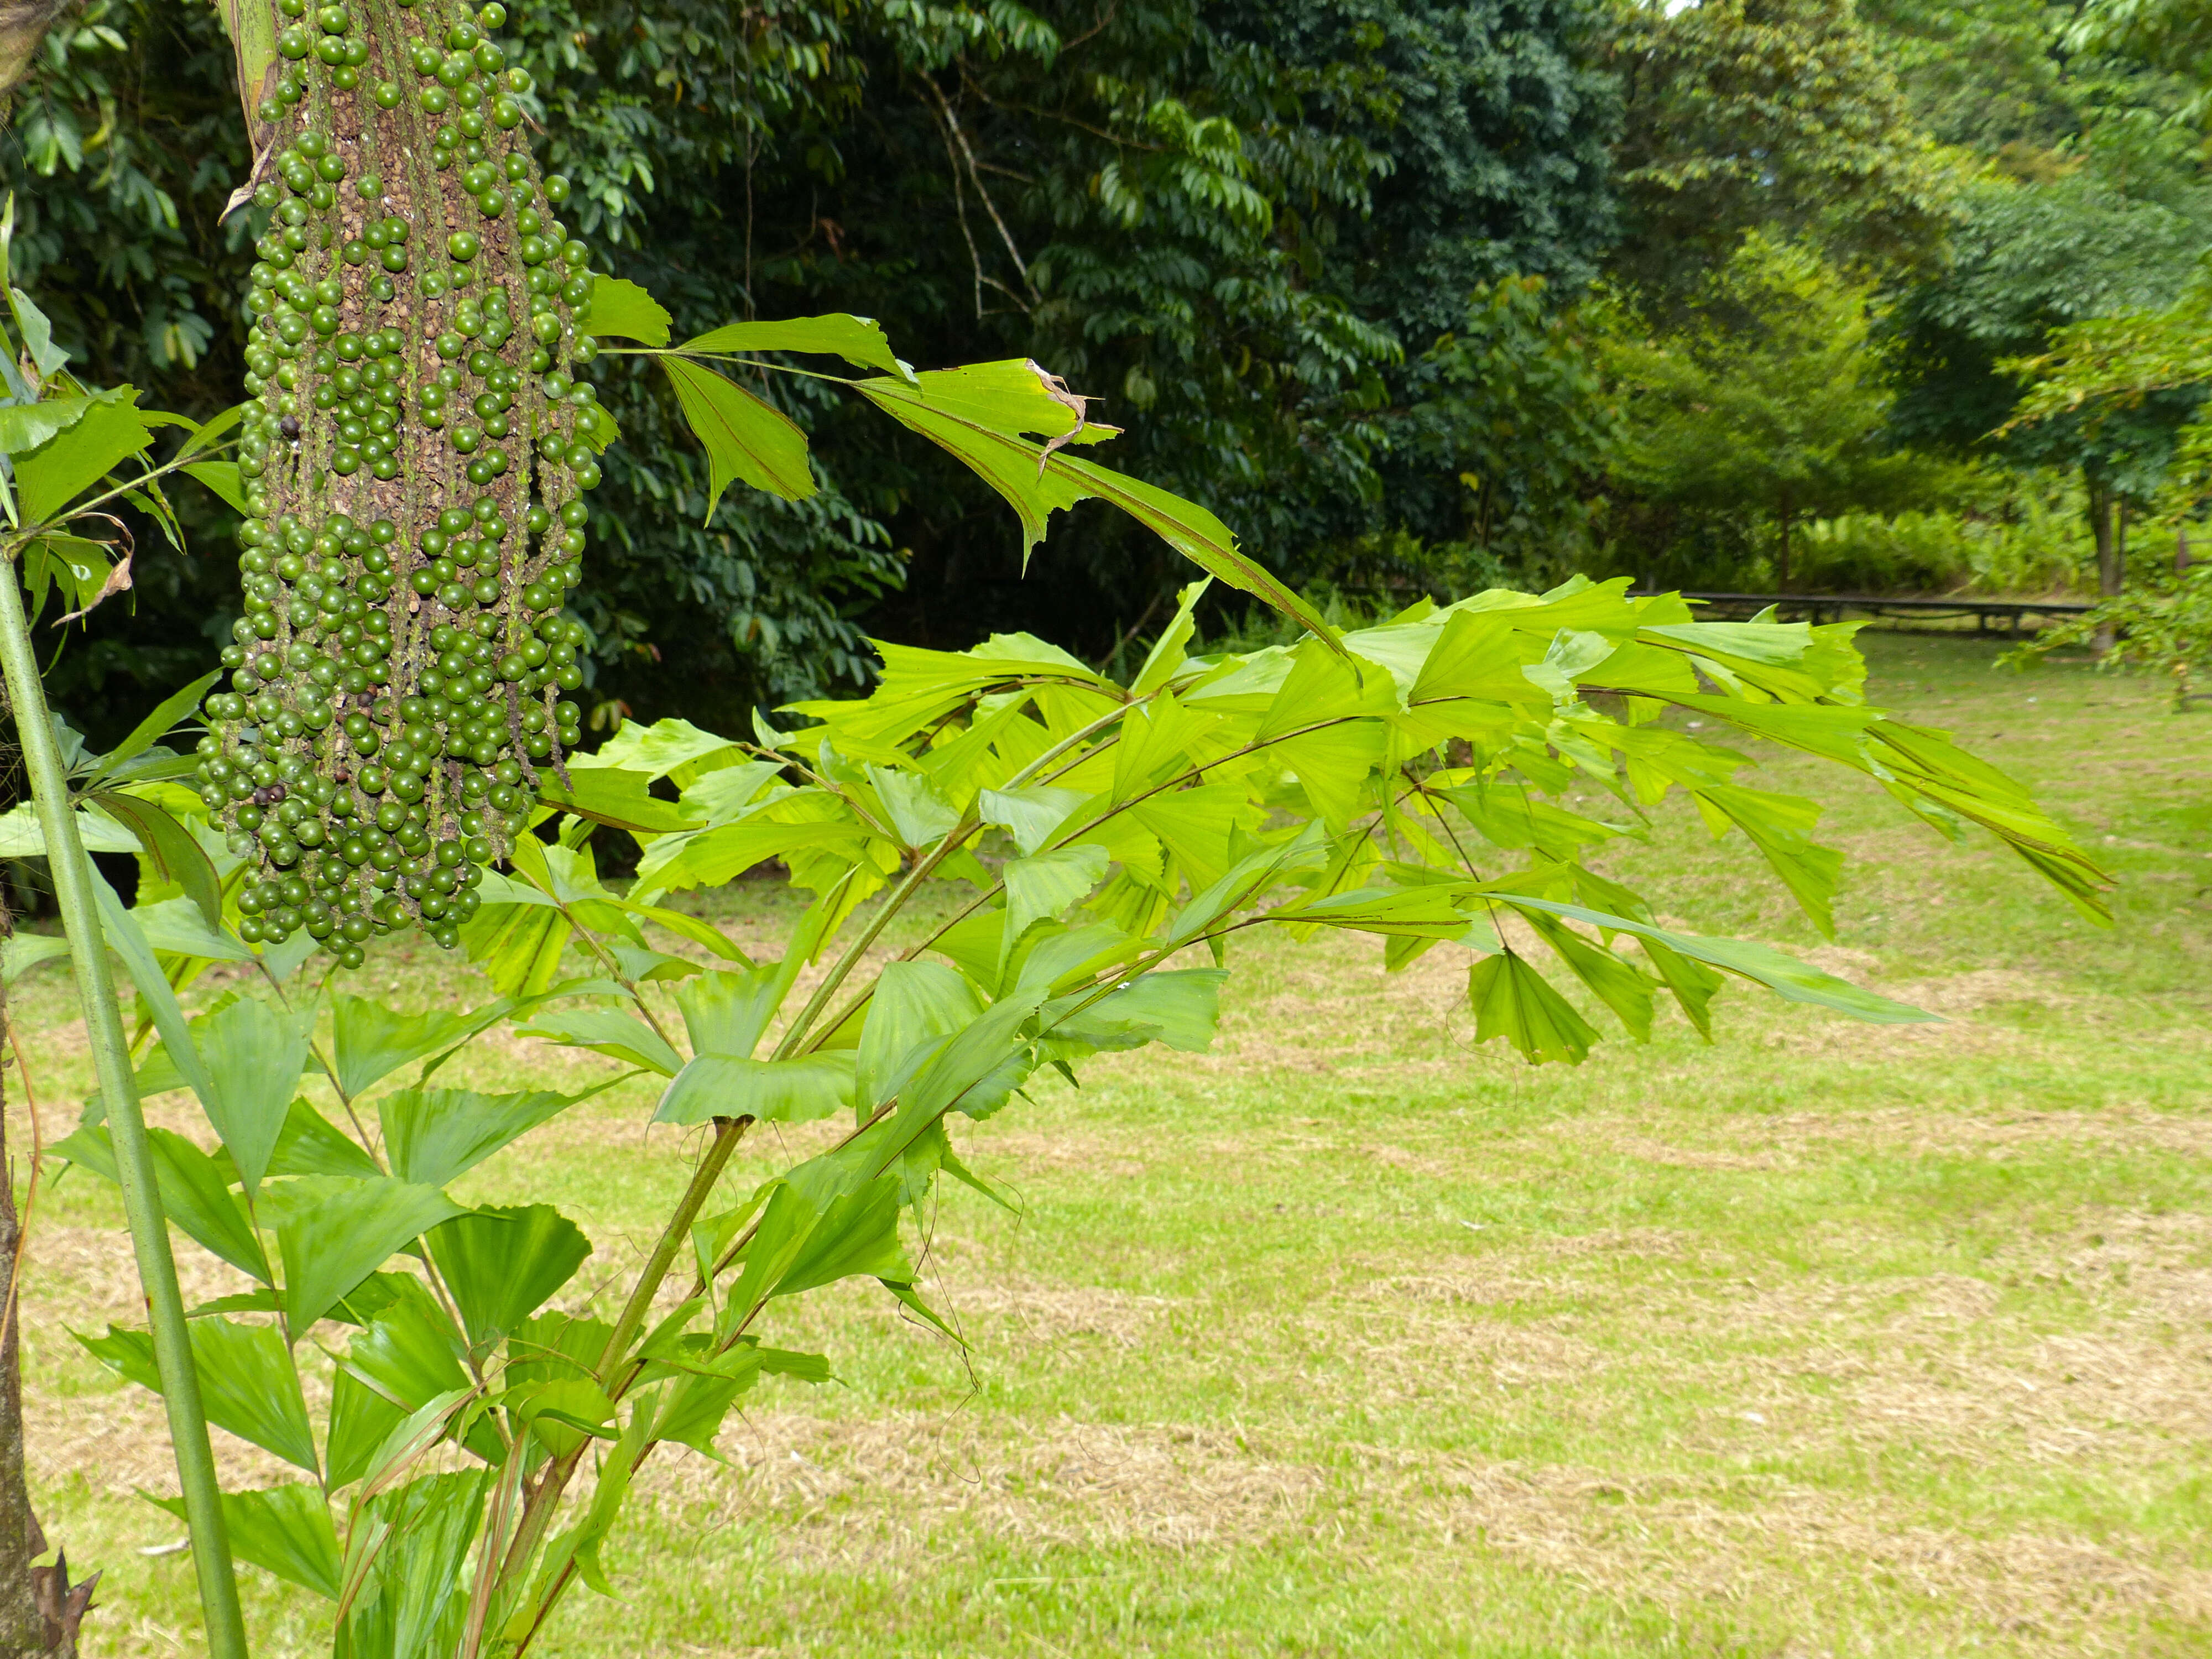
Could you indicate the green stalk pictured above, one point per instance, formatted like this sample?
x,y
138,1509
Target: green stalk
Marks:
x,y
142,1202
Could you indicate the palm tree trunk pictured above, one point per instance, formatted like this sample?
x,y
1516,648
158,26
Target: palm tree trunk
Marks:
x,y
39,1608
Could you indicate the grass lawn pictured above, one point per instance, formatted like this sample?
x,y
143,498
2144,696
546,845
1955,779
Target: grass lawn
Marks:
x,y
1350,1338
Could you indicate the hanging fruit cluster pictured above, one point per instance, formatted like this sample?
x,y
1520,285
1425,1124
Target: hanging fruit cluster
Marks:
x,y
415,444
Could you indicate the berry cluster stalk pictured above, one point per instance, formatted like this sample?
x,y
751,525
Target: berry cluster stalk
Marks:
x,y
414,455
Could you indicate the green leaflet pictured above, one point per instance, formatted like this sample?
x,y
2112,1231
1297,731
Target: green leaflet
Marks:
x,y
1199,826
1177,1007
974,1071
1786,976
24,952
691,927
916,1006
607,1031
1055,956
556,1347
1512,1000
711,857
176,928
1510,816
564,1414
519,945
692,1412
1029,815
310,1143
38,334
503,1265
616,797
1430,911
724,794
249,1386
1166,656
744,438
332,1233
802,1242
102,434
1616,984
726,1012
285,1530
223,478
798,1090
1781,827
434,1135
918,812
25,426
624,309
369,1041
412,1597
859,340
406,1355
170,712
670,748
980,420
128,940
253,1056
1198,537
195,1192
981,428
360,1421
247,1383
1043,885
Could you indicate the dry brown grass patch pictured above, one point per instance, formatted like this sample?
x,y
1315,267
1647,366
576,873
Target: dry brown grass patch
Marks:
x,y
830,1487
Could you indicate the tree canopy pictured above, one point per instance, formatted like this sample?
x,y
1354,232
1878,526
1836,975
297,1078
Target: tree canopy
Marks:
x,y
1374,280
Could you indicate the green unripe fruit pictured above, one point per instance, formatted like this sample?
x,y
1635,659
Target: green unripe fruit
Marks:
x,y
388,803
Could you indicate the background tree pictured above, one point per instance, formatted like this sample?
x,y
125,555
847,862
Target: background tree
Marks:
x,y
1512,426
2122,230
1769,397
1775,116
2009,82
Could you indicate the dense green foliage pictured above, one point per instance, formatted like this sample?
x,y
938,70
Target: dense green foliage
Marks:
x,y
1769,116
1364,279
1765,410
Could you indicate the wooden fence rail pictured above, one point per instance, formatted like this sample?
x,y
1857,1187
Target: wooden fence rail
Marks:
x,y
2008,617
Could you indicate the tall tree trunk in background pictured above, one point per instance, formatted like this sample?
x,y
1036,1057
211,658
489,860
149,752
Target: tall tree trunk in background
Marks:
x,y
1782,563
38,1609
2104,513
